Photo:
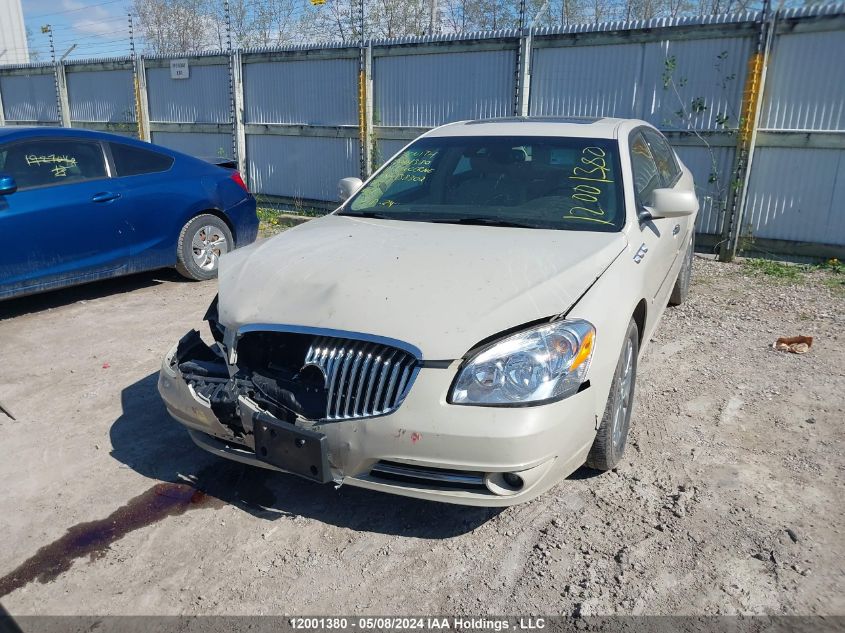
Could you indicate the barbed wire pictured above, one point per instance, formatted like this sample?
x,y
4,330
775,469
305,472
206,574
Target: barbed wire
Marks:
x,y
65,11
296,22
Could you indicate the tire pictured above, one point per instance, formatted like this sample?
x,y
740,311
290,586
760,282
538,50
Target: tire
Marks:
x,y
682,283
201,243
612,435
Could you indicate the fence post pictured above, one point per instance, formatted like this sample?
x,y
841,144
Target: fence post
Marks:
x,y
365,108
523,72
369,132
61,95
752,100
142,102
2,112
238,115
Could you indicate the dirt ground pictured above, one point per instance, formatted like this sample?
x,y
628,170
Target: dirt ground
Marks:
x,y
729,499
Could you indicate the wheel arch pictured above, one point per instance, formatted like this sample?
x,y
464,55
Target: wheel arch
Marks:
x,y
610,305
639,316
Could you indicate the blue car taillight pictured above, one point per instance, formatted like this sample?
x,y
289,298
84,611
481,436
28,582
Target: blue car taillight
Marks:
x,y
236,176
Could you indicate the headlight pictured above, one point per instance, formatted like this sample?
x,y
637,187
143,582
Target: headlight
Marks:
x,y
543,363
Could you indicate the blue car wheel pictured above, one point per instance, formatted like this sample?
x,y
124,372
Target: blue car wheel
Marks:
x,y
202,241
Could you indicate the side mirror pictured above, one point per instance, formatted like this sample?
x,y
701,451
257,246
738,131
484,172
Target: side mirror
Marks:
x,y
7,184
347,187
670,203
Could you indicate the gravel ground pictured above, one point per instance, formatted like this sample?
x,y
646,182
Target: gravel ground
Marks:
x,y
728,500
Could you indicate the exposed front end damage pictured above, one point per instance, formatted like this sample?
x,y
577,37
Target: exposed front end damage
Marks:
x,y
267,389
257,402
365,411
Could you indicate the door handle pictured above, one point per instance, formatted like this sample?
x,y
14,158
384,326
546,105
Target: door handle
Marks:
x,y
105,196
676,229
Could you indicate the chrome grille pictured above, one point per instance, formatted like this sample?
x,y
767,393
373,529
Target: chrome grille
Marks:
x,y
362,378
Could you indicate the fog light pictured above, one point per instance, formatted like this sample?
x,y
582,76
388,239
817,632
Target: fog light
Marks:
x,y
504,484
513,480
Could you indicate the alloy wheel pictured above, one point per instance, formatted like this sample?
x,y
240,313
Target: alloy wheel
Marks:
x,y
207,245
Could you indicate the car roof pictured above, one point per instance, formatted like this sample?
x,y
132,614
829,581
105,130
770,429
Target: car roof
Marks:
x,y
578,127
24,130
9,132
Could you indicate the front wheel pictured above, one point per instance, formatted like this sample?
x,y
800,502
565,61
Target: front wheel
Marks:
x,y
613,432
202,241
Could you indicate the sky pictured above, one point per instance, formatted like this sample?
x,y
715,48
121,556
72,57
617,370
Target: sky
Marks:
x,y
99,28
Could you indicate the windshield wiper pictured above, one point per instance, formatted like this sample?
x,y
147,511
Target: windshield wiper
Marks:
x,y
485,222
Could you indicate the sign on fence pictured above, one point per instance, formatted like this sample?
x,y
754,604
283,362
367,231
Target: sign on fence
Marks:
x,y
179,69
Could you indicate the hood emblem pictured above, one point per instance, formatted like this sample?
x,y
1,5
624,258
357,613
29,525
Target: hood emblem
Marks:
x,y
314,373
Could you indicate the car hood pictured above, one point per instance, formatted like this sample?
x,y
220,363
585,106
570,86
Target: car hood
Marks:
x,y
440,287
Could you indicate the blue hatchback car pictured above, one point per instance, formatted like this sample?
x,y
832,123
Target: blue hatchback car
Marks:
x,y
78,206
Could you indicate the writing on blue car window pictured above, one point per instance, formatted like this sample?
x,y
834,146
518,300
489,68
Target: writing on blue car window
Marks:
x,y
60,164
52,162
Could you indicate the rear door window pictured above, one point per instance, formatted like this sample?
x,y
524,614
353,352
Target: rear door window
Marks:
x,y
51,162
132,161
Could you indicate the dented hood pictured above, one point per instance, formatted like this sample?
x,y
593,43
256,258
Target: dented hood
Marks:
x,y
440,287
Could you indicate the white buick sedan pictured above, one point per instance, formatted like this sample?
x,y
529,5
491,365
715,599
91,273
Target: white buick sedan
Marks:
x,y
464,328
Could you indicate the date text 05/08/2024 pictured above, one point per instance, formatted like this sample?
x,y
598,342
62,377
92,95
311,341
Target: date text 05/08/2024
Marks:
x,y
405,623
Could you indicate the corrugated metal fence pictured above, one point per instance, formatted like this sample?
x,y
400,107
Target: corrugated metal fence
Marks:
x,y
303,117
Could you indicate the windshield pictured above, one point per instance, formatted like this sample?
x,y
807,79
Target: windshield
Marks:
x,y
535,182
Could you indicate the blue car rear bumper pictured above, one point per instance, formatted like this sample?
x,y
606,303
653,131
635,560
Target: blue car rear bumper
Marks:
x,y
245,221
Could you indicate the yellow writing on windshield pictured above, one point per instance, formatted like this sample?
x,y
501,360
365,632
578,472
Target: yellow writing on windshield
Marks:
x,y
412,166
418,167
591,178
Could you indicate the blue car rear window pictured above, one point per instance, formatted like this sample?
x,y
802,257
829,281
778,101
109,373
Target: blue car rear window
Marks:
x,y
132,161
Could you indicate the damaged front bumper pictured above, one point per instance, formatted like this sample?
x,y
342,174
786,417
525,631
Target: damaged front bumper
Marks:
x,y
425,448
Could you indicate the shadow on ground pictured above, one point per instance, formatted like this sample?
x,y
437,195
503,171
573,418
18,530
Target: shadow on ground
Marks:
x,y
585,472
10,308
147,440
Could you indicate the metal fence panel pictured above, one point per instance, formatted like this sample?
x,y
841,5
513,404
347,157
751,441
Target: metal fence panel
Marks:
x,y
29,98
653,81
195,144
105,95
305,92
711,169
386,148
796,194
202,98
586,81
299,166
430,90
801,93
708,76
